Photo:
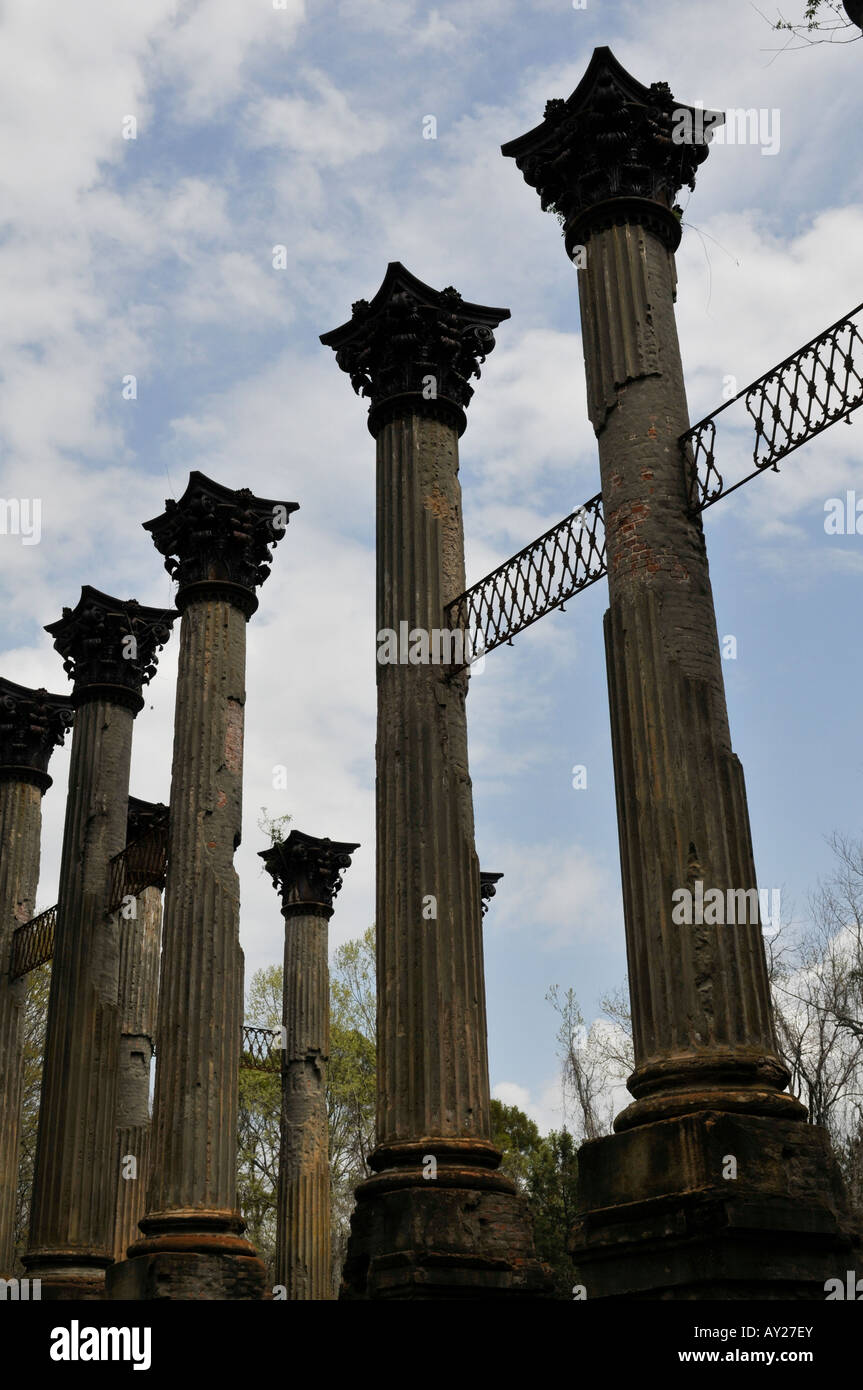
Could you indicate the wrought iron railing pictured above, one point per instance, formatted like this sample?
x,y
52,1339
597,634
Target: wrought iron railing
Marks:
x,y
260,1050
541,577
33,943
142,864
789,405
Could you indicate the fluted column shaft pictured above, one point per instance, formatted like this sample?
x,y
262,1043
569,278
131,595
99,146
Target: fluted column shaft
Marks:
x,y
20,828
303,1260
139,977
307,871
72,1216
437,1218
659,1213
194,1178
216,543
433,1079
702,1021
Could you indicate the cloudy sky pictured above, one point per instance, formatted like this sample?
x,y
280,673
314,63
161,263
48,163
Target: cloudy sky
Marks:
x,y
152,257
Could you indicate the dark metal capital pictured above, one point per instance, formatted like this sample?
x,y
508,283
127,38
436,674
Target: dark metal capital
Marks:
x,y
488,887
110,646
854,11
307,871
413,350
614,139
217,541
143,817
32,724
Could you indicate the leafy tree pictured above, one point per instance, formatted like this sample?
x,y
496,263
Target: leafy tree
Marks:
x,y
276,827
594,1061
824,21
545,1169
518,1139
35,1018
552,1191
816,981
350,1094
258,1123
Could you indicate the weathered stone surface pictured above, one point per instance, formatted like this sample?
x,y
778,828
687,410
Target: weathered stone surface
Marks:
x,y
20,827
216,1277
138,990
658,1217
32,724
433,1108
307,871
217,543
303,1262
427,861
701,1007
109,647
202,967
193,1137
429,1242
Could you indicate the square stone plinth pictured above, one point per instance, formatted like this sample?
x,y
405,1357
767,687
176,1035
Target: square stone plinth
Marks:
x,y
171,1275
447,1242
712,1206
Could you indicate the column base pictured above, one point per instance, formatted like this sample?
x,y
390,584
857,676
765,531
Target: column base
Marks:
x,y
465,1234
178,1261
172,1275
743,1080
66,1279
712,1206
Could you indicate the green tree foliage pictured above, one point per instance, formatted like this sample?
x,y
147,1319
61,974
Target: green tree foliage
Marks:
x,y
350,1098
824,21
545,1169
258,1123
816,982
275,827
35,1015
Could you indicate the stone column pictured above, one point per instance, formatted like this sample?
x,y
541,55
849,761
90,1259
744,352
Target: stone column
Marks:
x,y
307,873
109,648
610,160
140,936
217,544
437,1219
32,724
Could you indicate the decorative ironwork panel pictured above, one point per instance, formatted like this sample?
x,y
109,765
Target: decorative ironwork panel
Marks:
x,y
33,943
542,576
260,1050
789,405
142,864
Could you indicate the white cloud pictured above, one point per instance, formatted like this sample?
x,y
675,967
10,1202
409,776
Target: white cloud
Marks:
x,y
208,54
153,256
542,1104
326,130
559,893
